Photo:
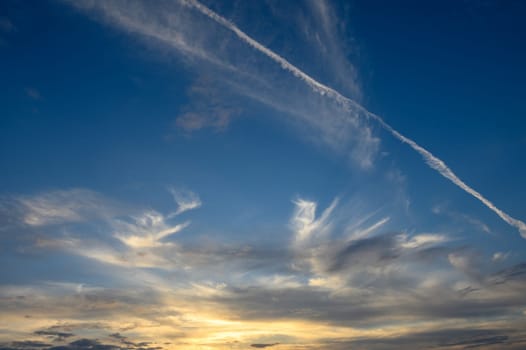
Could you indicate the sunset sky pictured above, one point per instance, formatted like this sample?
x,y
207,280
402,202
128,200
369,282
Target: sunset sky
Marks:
x,y
307,174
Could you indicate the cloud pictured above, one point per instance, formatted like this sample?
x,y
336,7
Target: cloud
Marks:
x,y
231,68
261,346
29,344
449,338
185,199
369,250
424,240
350,122
445,171
460,217
61,206
514,273
357,253
484,338
91,344
363,232
336,126
55,335
146,230
478,342
500,256
327,252
85,223
384,285
142,236
325,32
345,280
304,222
352,106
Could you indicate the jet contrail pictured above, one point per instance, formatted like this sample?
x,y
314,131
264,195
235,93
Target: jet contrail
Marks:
x,y
431,160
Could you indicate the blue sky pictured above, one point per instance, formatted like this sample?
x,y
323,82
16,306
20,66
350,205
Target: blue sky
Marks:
x,y
228,174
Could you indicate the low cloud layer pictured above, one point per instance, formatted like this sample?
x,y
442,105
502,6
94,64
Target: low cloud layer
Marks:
x,y
346,283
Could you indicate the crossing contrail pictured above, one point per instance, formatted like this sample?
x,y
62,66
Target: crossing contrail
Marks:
x,y
431,160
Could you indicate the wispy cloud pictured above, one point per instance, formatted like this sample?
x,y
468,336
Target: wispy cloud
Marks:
x,y
351,105
333,43
126,236
424,240
305,224
234,69
56,207
500,256
338,280
146,230
461,217
185,199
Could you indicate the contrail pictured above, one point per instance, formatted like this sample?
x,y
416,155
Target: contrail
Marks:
x,y
431,160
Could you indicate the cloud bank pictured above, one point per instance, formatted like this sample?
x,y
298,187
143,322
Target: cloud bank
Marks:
x,y
341,281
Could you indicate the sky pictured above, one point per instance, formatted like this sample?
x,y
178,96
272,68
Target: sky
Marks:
x,y
307,174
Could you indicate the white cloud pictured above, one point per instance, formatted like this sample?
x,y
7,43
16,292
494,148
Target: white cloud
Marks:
x,y
476,223
185,199
56,207
362,232
464,262
238,68
279,281
351,105
143,233
500,256
305,224
146,230
424,239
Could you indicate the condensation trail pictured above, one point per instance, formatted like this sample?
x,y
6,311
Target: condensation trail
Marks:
x,y
431,160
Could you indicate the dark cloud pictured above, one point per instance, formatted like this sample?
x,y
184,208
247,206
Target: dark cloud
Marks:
x,y
216,255
380,249
479,342
467,338
263,345
56,335
304,303
514,273
373,306
117,336
29,344
124,340
90,344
